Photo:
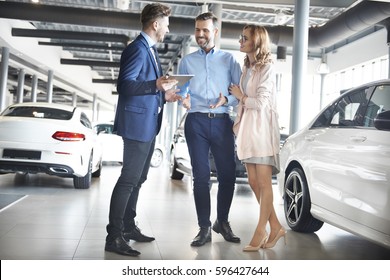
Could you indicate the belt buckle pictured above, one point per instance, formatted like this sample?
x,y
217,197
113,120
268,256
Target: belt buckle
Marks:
x,y
211,115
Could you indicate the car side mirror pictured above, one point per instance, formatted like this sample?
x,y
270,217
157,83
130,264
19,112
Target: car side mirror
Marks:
x,y
382,121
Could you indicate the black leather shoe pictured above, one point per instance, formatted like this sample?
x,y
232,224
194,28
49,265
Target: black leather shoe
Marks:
x,y
120,246
203,237
226,231
136,235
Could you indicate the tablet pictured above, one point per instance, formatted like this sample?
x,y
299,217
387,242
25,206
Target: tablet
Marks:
x,y
182,79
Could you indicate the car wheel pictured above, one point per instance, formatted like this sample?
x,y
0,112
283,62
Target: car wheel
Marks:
x,y
176,175
85,181
297,203
98,172
157,158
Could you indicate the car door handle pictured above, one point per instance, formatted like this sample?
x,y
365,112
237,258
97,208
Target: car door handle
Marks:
x,y
310,138
358,138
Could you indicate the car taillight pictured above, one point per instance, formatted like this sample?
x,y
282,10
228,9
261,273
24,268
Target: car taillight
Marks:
x,y
68,136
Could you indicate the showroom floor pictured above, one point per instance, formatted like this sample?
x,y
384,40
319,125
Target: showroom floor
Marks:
x,y
54,221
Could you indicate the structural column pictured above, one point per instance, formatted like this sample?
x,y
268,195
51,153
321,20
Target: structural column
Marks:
x,y
74,100
218,13
94,107
299,61
3,76
34,87
20,90
49,89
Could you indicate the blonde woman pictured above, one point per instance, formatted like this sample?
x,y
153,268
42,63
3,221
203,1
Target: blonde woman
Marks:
x,y
257,130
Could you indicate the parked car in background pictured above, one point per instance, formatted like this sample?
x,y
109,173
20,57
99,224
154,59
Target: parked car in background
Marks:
x,y
49,138
180,162
337,169
113,145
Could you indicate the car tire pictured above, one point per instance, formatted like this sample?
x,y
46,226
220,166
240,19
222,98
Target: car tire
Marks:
x,y
297,203
175,175
98,172
85,181
157,158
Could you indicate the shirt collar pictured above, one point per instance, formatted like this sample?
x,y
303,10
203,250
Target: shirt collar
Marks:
x,y
150,41
213,50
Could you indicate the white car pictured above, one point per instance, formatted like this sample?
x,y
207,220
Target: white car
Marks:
x,y
180,161
113,145
337,169
49,138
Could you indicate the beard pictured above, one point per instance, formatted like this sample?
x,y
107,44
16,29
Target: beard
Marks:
x,y
203,44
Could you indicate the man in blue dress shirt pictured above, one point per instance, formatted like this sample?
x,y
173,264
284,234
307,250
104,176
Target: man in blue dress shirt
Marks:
x,y
208,126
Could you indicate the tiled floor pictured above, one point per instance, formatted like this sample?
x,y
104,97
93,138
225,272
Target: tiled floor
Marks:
x,y
57,222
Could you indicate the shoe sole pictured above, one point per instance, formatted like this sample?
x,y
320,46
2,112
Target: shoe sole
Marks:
x,y
135,254
199,245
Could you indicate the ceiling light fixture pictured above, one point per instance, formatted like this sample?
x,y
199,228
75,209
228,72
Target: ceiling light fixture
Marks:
x,y
323,68
280,18
122,4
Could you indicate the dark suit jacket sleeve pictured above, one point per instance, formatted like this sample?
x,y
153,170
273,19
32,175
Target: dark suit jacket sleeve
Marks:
x,y
135,76
139,109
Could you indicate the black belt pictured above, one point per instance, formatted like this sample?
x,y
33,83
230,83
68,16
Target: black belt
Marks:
x,y
211,115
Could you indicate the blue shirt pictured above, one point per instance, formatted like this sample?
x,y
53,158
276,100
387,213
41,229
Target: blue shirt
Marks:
x,y
214,73
150,41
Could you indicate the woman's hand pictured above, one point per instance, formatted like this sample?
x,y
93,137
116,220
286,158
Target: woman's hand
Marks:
x,y
236,91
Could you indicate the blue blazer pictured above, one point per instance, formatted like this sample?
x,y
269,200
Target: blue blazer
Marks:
x,y
137,115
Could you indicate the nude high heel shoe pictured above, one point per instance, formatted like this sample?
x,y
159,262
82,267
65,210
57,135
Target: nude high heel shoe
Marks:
x,y
250,248
282,233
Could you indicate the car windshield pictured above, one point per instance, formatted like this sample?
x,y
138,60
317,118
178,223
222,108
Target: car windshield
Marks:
x,y
104,128
38,112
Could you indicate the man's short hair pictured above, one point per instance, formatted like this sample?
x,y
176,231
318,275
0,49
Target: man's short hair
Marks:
x,y
154,11
207,16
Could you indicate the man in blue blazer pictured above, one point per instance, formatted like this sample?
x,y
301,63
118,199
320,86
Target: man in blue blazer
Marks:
x,y
142,94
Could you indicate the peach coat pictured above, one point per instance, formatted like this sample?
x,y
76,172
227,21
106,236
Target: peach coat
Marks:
x,y
256,125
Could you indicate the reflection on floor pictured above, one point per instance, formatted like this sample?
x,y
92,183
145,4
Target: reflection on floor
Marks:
x,y
56,221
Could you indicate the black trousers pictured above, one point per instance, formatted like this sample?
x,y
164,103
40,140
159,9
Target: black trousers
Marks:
x,y
123,205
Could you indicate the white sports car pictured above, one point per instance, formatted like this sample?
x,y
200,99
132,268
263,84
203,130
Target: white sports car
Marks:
x,y
49,138
113,145
337,169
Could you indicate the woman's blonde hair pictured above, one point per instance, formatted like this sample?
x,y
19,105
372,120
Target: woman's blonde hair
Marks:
x,y
262,45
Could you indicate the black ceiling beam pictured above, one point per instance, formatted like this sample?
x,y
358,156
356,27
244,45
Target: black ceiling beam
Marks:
x,y
105,81
70,35
69,15
82,46
354,20
91,63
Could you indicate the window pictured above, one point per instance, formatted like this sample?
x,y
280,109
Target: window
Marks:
x,y
349,110
37,112
380,102
85,121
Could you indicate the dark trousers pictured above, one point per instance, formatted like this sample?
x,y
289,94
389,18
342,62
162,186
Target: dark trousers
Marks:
x,y
136,163
204,134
